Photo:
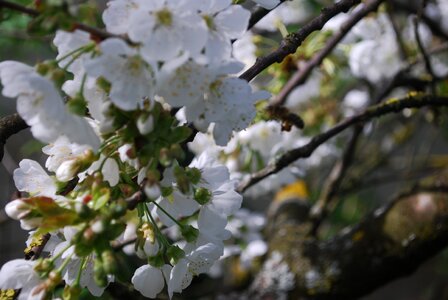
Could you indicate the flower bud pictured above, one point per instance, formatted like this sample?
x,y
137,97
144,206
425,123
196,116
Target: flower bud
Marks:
x,y
17,209
98,226
43,266
145,124
68,169
194,175
152,191
58,77
72,292
202,195
165,158
30,223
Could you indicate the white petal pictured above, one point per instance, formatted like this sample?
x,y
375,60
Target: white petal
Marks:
x,y
148,281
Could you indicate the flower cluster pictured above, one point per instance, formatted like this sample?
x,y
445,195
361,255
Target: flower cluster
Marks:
x,y
108,111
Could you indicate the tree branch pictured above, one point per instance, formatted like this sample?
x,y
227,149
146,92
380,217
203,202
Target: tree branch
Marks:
x,y
393,105
290,44
391,242
9,126
99,33
320,210
259,13
304,72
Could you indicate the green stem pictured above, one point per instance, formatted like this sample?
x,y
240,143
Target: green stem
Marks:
x,y
52,259
82,48
160,236
65,263
78,276
166,213
77,55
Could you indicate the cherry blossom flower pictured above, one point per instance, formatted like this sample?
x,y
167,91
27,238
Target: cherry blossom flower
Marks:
x,y
225,22
132,79
41,106
166,28
19,274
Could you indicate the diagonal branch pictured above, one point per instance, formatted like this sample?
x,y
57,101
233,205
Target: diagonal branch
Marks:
x,y
259,13
393,105
99,33
9,126
290,44
304,72
320,209
391,242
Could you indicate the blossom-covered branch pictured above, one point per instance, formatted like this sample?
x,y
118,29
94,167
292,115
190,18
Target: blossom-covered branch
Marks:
x,y
393,105
290,44
304,71
96,32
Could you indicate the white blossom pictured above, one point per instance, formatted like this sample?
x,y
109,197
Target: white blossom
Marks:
x,y
19,274
166,28
41,106
148,280
131,78
33,179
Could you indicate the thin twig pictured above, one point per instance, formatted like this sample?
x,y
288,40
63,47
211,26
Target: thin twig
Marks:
x,y
259,13
370,113
424,53
331,187
304,72
99,33
398,36
290,44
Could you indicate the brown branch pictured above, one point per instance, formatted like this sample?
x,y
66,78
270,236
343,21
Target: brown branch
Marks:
x,y
290,44
259,13
391,242
331,187
304,72
410,7
35,252
394,105
9,126
398,36
424,53
99,33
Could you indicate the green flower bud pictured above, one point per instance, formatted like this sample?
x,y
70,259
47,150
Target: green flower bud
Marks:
x,y
54,278
72,292
202,195
165,158
58,76
43,266
194,175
